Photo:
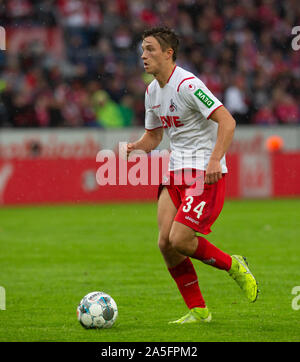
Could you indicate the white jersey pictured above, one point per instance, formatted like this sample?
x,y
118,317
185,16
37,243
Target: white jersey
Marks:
x,y
183,108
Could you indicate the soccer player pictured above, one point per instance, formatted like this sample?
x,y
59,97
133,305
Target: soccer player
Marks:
x,y
197,123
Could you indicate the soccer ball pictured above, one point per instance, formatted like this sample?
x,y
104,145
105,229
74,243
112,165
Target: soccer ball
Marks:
x,y
97,310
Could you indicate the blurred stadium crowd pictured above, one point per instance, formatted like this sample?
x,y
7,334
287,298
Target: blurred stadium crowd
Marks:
x,y
240,49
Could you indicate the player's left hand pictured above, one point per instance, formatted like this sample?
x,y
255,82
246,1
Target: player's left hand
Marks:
x,y
213,172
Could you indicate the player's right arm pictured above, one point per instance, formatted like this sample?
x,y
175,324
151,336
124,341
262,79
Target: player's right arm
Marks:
x,y
148,142
153,130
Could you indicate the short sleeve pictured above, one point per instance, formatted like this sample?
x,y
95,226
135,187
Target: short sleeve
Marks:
x,y
151,120
199,97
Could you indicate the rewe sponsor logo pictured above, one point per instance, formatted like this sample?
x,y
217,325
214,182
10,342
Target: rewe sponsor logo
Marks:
x,y
171,121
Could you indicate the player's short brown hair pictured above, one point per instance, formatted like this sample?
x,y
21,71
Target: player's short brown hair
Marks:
x,y
166,38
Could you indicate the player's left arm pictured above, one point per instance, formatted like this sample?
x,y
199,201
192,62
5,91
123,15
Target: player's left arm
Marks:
x,y
226,127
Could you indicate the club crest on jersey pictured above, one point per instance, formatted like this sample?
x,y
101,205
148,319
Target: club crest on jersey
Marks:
x,y
173,106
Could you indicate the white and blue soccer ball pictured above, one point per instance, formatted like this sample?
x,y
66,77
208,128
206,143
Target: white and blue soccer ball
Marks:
x,y
97,310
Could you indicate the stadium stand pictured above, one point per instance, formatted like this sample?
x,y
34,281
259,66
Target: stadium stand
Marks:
x,y
86,71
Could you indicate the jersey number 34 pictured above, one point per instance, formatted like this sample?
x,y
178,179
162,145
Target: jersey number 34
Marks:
x,y
197,209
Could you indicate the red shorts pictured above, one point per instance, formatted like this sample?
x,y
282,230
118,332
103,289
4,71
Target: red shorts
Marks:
x,y
198,204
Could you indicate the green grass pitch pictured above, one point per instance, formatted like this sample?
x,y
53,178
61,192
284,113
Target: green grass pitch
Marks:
x,y
51,256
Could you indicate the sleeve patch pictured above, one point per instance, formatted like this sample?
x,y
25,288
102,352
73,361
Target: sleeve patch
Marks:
x,y
204,98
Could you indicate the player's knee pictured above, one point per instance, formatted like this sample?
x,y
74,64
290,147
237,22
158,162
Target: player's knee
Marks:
x,y
164,243
178,241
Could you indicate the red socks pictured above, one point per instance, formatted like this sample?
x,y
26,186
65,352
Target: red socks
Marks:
x,y
186,279
185,275
210,254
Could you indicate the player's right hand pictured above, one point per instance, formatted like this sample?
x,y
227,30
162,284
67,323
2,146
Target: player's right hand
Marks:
x,y
130,148
213,172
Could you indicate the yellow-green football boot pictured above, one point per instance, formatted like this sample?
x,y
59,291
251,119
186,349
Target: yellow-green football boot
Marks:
x,y
195,315
240,272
